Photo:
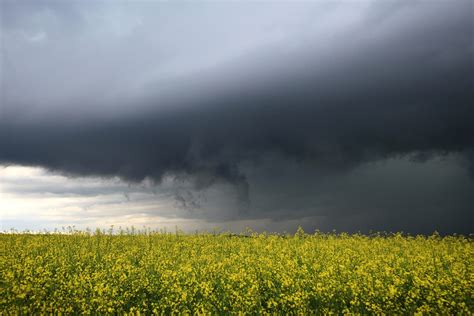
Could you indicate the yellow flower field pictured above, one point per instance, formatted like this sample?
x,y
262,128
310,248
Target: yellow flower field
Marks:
x,y
150,272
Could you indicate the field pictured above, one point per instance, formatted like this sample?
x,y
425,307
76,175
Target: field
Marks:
x,y
152,272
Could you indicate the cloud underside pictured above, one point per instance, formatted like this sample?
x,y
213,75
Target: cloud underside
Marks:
x,y
377,92
385,99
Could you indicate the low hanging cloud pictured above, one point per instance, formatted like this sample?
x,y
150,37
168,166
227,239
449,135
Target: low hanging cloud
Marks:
x,y
395,81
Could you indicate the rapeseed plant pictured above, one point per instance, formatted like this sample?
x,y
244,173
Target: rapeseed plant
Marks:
x,y
154,273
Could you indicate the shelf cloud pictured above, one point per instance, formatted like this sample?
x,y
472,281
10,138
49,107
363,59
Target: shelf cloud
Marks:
x,y
274,100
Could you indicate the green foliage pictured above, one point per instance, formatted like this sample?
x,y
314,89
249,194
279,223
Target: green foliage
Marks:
x,y
160,273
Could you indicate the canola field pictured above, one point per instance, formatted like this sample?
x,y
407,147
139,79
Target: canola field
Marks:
x,y
174,273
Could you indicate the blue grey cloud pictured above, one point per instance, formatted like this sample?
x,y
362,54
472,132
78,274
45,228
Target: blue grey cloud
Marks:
x,y
142,90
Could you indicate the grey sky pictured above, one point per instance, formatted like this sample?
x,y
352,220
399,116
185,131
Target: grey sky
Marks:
x,y
352,115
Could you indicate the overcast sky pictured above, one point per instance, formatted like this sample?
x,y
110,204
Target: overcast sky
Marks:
x,y
346,115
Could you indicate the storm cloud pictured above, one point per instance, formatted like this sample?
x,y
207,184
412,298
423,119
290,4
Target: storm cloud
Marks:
x,y
223,93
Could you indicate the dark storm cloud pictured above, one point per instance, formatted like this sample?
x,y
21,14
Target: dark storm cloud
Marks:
x,y
398,84
391,195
